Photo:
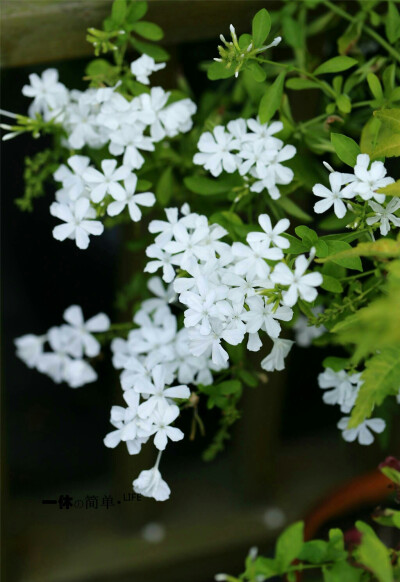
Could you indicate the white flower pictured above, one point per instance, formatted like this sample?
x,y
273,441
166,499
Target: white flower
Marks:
x,y
54,363
251,259
333,197
132,200
264,131
201,306
299,284
165,228
345,388
30,348
276,359
107,181
159,393
161,426
143,67
177,117
215,151
163,260
152,105
79,222
384,215
368,181
46,91
270,235
78,372
362,432
83,341
262,315
188,245
151,484
73,182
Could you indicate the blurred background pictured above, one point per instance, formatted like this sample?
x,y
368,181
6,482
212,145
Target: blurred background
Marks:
x,y
285,453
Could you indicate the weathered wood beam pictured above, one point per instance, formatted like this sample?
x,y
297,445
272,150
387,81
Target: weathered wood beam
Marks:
x,y
43,31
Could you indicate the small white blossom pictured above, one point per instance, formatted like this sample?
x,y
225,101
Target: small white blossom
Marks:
x,y
143,67
384,215
216,151
151,484
368,181
333,197
300,284
107,181
131,200
30,348
276,359
83,342
79,223
363,433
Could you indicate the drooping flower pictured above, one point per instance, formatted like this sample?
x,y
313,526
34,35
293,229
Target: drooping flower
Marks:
x,y
276,359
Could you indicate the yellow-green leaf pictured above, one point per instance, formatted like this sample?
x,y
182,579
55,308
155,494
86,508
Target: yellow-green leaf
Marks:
x,y
391,190
380,379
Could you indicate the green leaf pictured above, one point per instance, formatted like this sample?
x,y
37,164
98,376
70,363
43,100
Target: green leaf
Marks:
x,y
346,148
257,71
272,98
210,186
335,65
349,38
292,32
380,379
154,51
331,284
308,235
344,103
334,363
342,572
337,254
298,84
369,136
375,86
388,517
164,187
388,142
373,554
382,248
219,71
265,567
148,30
136,11
313,551
260,27
293,209
288,545
391,474
392,26
118,11
248,378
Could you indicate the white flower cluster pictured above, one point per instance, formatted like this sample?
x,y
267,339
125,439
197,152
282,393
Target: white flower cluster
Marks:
x,y
364,183
69,343
100,117
231,290
249,147
153,357
343,391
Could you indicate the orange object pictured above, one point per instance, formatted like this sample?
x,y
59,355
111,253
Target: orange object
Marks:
x,y
369,488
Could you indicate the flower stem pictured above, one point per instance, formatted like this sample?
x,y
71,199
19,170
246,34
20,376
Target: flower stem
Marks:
x,y
367,29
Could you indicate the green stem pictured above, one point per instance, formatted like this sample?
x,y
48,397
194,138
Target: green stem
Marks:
x,y
324,86
367,29
358,276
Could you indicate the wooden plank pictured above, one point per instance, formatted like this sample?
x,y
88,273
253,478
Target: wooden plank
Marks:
x,y
43,31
